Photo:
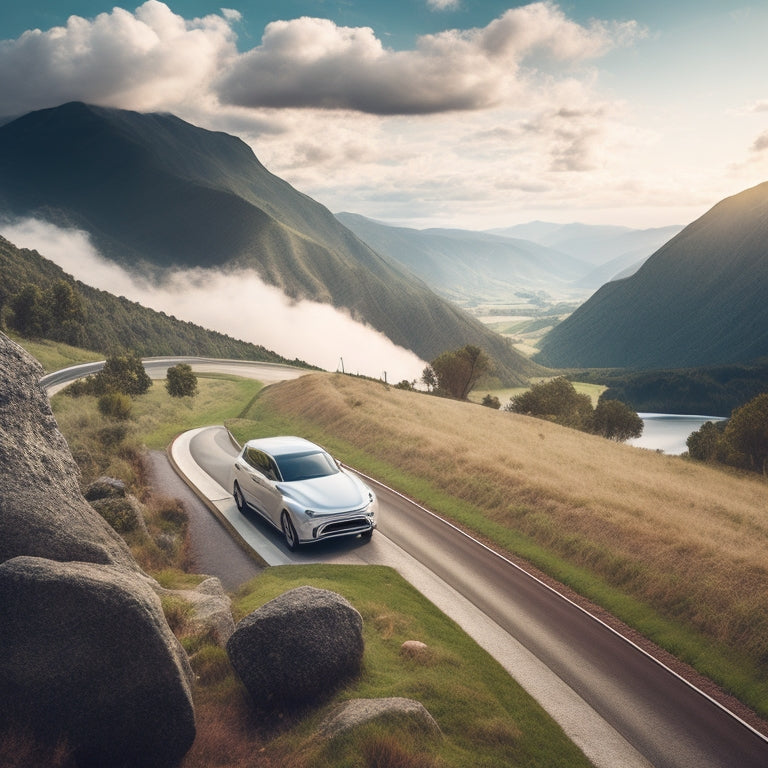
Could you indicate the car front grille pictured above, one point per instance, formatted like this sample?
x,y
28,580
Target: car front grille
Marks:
x,y
343,527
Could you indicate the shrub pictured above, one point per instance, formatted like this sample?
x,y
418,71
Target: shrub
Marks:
x,y
181,381
616,421
115,405
491,401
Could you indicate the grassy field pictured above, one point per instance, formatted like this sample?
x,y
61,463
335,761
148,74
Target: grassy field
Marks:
x,y
675,549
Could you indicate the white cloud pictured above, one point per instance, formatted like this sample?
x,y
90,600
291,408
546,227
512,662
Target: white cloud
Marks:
x,y
150,59
313,63
238,304
443,5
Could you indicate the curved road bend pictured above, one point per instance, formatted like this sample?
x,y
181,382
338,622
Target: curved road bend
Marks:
x,y
668,722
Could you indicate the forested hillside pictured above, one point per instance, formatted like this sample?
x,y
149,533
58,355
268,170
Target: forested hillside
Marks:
x,y
99,321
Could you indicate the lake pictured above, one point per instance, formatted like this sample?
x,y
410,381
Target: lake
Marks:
x,y
668,432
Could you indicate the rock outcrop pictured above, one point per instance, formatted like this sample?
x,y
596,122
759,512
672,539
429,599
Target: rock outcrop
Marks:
x,y
42,512
297,648
85,653
394,712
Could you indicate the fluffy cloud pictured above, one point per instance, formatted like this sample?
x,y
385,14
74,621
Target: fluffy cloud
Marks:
x,y
314,63
155,59
150,59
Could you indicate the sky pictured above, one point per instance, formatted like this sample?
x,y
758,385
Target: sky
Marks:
x,y
471,114
460,113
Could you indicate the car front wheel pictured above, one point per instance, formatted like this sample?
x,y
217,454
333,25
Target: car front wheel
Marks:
x,y
291,539
239,498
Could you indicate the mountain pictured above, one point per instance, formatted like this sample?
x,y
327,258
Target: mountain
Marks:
x,y
470,267
594,244
113,324
701,299
155,192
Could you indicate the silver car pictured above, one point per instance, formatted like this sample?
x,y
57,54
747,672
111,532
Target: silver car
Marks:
x,y
301,490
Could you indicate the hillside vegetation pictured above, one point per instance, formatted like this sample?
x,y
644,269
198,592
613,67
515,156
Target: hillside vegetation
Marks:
x,y
699,300
674,548
155,192
110,323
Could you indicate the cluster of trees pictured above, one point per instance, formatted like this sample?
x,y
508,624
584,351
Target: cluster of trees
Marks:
x,y
557,400
455,374
741,442
54,313
123,377
715,390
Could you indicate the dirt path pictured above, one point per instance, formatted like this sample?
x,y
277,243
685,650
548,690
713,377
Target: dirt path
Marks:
x,y
212,549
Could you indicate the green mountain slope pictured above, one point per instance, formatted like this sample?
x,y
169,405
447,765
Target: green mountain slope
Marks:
x,y
155,192
113,323
701,299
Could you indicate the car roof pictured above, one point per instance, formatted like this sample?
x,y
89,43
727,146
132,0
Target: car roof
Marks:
x,y
282,445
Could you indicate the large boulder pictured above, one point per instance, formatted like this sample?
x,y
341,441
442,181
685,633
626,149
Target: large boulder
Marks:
x,y
42,511
297,648
86,654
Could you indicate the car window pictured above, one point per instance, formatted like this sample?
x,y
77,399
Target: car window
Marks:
x,y
261,462
305,466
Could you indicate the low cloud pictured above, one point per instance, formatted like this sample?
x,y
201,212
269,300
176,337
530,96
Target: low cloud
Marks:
x,y
761,142
238,304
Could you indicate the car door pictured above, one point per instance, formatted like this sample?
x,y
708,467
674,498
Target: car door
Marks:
x,y
259,487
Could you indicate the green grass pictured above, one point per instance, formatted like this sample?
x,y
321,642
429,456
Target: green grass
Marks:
x,y
485,717
156,417
54,355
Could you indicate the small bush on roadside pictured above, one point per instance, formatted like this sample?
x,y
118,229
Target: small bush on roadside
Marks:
x,y
115,405
181,381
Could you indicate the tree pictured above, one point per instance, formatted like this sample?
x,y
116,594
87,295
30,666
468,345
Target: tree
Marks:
x,y
491,401
181,381
616,421
428,378
457,372
29,316
708,442
66,315
122,373
747,431
556,400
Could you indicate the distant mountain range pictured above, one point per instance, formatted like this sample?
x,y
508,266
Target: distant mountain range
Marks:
x,y
701,299
155,192
559,261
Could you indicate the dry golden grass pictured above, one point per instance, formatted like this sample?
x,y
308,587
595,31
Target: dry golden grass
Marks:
x,y
685,538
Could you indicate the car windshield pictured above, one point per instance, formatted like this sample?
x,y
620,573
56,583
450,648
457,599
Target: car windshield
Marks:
x,y
305,466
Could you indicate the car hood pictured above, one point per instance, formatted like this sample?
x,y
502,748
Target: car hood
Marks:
x,y
330,494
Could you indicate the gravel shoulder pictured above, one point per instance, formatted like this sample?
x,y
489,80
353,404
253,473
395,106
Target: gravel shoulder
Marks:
x,y
212,549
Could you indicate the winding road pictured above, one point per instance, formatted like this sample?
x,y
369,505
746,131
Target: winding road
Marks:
x,y
619,705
